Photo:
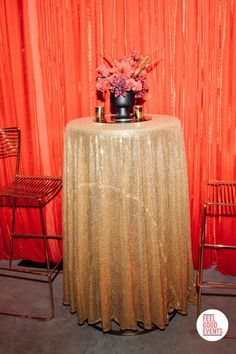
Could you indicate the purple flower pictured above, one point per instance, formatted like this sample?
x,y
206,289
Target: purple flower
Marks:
x,y
118,86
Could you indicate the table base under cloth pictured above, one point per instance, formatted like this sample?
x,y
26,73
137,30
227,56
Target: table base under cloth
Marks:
x,y
127,250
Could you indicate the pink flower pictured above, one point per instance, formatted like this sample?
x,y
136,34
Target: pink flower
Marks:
x,y
102,84
122,68
135,53
103,70
134,85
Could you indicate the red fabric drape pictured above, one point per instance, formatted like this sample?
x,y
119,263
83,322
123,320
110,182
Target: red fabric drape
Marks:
x,y
49,51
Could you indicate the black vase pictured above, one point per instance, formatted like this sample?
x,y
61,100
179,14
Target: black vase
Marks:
x,y
123,106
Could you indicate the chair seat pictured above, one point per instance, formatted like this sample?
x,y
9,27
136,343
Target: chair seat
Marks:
x,y
30,191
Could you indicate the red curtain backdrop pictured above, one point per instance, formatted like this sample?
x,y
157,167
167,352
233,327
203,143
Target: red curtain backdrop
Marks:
x,y
49,51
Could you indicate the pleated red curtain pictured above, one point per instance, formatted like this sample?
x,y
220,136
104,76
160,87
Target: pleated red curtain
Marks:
x,y
49,51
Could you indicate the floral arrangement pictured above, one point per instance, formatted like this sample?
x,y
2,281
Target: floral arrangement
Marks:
x,y
128,73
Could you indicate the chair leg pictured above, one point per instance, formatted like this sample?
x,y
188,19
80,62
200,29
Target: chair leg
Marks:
x,y
49,275
49,272
13,217
200,265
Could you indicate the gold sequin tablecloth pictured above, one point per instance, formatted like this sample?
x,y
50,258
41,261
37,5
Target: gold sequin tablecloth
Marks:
x,y
127,251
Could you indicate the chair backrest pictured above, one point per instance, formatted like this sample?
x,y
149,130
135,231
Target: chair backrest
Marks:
x,y
221,198
10,139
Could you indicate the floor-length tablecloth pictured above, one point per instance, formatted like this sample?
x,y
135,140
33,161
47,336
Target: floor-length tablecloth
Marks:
x,y
127,248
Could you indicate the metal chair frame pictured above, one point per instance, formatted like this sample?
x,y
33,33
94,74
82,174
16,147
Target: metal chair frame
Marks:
x,y
28,192
220,202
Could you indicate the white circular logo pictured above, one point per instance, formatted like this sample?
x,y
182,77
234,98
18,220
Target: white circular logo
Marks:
x,y
212,325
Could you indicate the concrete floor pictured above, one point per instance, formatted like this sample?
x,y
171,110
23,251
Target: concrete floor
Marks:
x,y
63,335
